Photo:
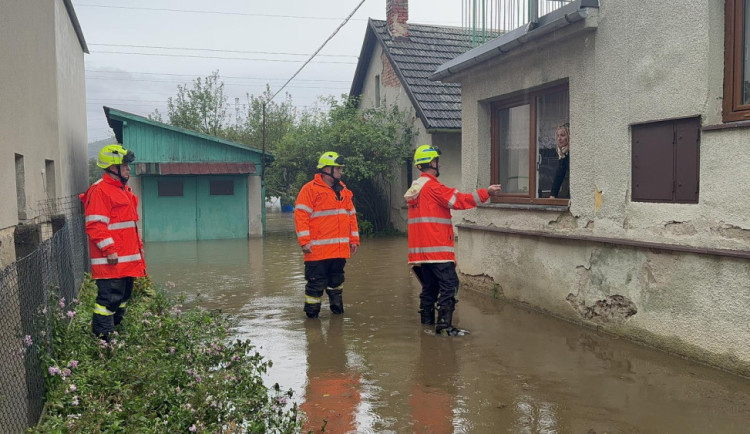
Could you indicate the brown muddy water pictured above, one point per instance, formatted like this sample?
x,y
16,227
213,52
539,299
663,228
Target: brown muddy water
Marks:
x,y
375,369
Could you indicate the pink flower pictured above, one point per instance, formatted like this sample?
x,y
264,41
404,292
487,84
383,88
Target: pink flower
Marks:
x,y
75,400
73,364
172,350
28,341
71,314
73,388
62,303
193,428
54,370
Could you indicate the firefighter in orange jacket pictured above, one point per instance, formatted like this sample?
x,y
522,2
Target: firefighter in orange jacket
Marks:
x,y
116,249
326,226
431,238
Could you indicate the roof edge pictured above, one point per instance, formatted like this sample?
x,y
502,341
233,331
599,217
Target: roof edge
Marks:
x,y
76,25
568,14
112,113
362,66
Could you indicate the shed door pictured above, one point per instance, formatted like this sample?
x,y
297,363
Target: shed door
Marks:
x,y
222,207
169,208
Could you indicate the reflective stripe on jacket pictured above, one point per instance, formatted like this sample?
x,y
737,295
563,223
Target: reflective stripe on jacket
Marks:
x,y
325,222
111,213
430,229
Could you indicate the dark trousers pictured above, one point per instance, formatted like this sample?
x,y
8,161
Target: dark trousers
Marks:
x,y
324,275
439,286
111,299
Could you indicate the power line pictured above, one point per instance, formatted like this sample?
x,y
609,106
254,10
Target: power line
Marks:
x,y
346,20
225,84
223,76
218,51
212,57
213,12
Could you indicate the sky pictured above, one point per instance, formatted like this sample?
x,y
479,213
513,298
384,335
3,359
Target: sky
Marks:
x,y
141,50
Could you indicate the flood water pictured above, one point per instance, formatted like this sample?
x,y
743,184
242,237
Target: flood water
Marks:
x,y
376,369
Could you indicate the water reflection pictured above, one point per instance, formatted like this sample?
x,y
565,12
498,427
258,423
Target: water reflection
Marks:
x,y
374,369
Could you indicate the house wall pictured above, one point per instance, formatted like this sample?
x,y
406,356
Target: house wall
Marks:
x,y
644,61
71,167
42,109
392,92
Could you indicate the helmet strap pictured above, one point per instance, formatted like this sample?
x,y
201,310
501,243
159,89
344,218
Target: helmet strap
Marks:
x,y
124,181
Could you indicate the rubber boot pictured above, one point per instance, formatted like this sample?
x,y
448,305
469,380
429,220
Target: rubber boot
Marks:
x,y
445,317
312,310
336,301
427,315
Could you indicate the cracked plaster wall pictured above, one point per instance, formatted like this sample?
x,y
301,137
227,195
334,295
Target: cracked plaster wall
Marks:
x,y
694,305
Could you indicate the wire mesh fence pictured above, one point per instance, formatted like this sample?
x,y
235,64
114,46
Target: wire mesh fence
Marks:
x,y
52,258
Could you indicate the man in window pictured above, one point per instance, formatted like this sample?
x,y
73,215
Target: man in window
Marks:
x,y
431,250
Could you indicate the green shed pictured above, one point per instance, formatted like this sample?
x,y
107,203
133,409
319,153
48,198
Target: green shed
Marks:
x,y
191,186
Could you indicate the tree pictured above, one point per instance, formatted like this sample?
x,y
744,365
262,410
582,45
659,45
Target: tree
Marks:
x,y
375,143
202,108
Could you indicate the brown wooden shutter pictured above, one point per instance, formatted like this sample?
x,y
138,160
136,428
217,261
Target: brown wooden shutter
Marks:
x,y
686,160
653,164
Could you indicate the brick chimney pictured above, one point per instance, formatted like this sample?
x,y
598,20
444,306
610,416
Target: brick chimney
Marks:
x,y
397,13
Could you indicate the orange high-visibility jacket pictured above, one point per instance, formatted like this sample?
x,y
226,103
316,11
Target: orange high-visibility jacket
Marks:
x,y
328,224
430,229
111,211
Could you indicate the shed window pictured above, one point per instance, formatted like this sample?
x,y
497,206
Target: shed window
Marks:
x,y
222,188
524,148
736,61
170,188
665,161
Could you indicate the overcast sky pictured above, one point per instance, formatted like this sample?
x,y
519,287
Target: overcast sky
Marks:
x,y
250,43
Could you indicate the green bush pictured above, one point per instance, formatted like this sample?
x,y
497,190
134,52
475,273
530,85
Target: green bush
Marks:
x,y
164,370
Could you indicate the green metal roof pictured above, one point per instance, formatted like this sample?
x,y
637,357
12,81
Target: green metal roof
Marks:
x,y
154,141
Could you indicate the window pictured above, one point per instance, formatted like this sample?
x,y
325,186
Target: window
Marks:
x,y
525,159
170,188
665,161
377,91
736,61
49,181
20,188
222,188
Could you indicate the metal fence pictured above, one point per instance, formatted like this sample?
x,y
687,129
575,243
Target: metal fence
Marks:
x,y
52,258
486,19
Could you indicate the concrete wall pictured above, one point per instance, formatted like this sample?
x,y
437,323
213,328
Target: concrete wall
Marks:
x,y
634,61
392,92
255,202
42,107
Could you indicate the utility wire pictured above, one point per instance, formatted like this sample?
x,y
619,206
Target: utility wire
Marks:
x,y
218,51
216,57
223,76
346,20
212,12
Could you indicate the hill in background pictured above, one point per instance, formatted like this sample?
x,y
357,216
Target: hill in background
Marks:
x,y
95,147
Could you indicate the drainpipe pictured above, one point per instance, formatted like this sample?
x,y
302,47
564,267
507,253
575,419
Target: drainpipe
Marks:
x,y
533,15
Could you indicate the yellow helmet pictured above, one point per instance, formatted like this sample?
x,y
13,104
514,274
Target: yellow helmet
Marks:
x,y
425,154
114,154
330,159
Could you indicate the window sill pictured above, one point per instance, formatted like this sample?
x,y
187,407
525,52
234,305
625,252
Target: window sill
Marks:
x,y
525,206
727,126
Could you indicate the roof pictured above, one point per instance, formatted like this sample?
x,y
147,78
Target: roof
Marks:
x,y
76,25
115,119
572,12
414,59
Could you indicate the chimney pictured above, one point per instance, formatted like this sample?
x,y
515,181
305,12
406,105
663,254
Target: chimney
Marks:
x,y
397,13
